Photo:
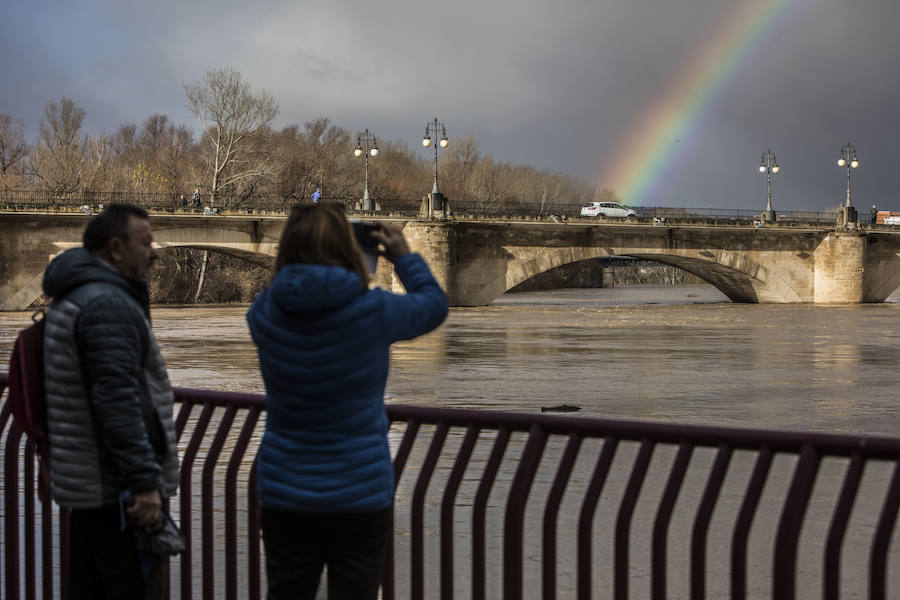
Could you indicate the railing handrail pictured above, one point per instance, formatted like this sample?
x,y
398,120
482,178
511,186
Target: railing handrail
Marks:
x,y
743,438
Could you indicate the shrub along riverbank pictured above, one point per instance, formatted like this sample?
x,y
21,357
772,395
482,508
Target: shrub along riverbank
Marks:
x,y
191,276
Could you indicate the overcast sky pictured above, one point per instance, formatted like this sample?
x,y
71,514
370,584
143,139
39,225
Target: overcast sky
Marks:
x,y
561,85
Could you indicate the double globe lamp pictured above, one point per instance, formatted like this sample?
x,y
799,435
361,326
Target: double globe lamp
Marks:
x,y
435,129
848,159
768,166
364,139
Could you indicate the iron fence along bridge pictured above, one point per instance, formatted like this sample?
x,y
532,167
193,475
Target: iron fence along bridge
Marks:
x,y
43,201
494,504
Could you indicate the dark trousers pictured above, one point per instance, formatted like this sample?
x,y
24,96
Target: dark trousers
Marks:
x,y
104,563
352,545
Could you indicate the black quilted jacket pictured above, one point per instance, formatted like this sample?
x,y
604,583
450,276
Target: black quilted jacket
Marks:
x,y
109,401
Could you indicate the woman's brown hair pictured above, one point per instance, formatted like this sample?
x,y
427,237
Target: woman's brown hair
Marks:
x,y
320,234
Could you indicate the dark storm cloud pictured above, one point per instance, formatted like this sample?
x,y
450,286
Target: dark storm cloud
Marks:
x,y
558,85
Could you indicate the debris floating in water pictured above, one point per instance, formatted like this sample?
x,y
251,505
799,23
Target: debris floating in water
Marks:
x,y
560,408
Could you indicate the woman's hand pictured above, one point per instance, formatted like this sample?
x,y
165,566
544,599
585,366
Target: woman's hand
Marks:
x,y
392,239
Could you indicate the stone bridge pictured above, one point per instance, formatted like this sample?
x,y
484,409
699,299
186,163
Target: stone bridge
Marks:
x,y
478,261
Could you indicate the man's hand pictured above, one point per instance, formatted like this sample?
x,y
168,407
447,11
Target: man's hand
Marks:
x,y
145,510
392,239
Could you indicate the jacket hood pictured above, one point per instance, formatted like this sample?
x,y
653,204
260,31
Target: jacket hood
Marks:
x,y
78,266
310,290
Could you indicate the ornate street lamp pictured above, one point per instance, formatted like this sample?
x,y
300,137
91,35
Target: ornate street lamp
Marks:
x,y
435,129
362,147
768,166
848,159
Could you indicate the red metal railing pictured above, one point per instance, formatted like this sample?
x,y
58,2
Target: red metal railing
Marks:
x,y
772,501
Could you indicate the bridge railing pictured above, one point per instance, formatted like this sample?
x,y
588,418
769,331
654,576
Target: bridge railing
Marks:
x,y
39,200
724,216
403,207
492,504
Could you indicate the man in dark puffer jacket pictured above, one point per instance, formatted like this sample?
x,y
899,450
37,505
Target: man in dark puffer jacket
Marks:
x,y
109,405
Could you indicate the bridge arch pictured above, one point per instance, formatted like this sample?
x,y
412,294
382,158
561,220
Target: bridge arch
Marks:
x,y
32,290
251,256
737,276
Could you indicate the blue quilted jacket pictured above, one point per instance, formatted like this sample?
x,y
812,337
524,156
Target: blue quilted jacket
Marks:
x,y
323,344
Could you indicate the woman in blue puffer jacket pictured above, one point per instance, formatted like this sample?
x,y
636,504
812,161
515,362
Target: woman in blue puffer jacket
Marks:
x,y
323,337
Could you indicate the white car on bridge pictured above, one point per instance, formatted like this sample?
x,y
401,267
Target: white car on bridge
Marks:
x,y
607,209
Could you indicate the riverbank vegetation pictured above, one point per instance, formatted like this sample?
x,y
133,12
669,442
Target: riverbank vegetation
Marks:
x,y
232,154
191,276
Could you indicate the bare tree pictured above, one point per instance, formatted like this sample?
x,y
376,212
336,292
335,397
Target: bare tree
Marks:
x,y
124,141
157,158
318,156
231,117
548,186
62,160
163,147
124,154
607,195
400,172
490,183
463,156
94,163
12,144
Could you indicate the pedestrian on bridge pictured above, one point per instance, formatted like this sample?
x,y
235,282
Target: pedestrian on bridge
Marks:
x,y
326,483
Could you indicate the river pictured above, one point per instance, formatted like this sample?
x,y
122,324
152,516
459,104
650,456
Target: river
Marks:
x,y
668,353
681,354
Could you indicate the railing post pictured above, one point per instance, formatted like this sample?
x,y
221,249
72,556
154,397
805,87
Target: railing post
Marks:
x,y
447,505
417,521
784,566
551,512
832,562
479,508
883,533
409,436
586,519
513,533
11,509
623,520
663,515
704,516
745,520
184,490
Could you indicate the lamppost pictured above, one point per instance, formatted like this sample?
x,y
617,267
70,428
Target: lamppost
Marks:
x,y
364,139
848,159
435,129
768,166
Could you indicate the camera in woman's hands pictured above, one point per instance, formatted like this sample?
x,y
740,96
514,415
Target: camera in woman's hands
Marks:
x,y
362,231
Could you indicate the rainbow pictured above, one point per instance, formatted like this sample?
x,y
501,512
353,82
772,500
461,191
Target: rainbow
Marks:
x,y
649,148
